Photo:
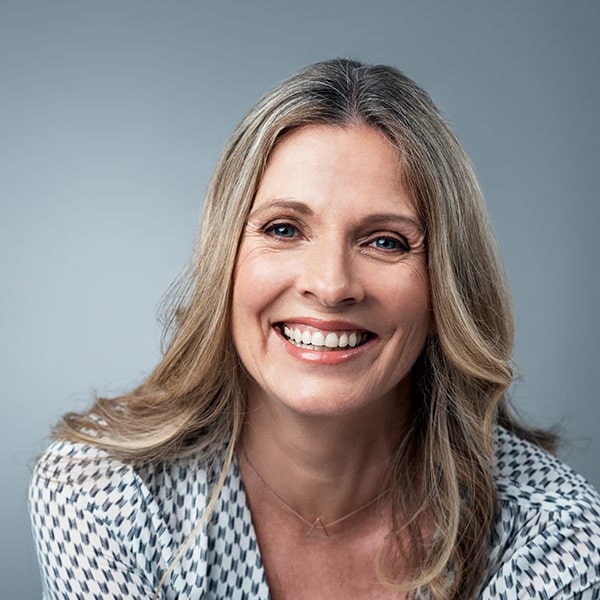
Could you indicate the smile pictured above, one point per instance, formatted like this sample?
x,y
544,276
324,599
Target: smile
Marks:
x,y
323,340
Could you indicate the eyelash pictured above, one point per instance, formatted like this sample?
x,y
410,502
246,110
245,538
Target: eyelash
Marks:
x,y
273,227
401,244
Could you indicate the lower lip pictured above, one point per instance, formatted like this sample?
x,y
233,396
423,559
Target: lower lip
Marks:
x,y
323,357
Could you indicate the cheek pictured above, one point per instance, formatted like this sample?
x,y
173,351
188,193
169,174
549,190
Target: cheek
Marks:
x,y
417,292
257,282
406,296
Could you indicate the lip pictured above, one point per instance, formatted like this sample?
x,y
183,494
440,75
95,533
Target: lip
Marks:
x,y
323,325
334,357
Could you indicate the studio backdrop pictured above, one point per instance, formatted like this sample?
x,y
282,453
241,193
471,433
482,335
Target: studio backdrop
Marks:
x,y
112,116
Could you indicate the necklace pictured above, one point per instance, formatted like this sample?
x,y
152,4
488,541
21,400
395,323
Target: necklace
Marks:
x,y
318,524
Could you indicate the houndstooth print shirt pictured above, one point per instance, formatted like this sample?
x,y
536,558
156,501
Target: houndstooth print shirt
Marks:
x,y
107,531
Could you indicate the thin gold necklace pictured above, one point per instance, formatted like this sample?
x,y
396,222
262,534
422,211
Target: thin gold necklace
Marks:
x,y
317,524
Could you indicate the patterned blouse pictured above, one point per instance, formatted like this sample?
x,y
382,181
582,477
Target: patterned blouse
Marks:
x,y
107,531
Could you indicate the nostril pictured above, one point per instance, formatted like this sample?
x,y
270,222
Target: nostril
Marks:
x,y
331,293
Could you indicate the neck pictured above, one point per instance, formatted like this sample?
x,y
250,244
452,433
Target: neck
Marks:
x,y
321,466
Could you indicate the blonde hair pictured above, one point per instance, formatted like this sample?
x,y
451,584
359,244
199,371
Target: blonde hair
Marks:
x,y
194,401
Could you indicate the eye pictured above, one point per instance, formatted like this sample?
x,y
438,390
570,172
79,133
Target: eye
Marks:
x,y
281,230
389,244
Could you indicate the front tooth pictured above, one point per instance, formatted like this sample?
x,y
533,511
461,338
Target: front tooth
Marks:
x,y
306,337
352,340
331,341
343,341
317,339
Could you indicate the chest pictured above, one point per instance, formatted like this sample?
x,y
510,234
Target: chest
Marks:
x,y
319,567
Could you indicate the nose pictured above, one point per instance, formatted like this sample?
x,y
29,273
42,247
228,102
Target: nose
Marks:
x,y
328,273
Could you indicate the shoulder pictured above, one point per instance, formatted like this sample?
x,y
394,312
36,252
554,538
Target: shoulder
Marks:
x,y
526,472
118,492
101,525
75,469
93,513
547,534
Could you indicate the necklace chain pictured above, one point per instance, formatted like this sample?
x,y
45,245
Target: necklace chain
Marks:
x,y
317,524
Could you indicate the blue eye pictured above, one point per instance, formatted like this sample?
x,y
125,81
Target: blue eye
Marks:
x,y
282,230
388,243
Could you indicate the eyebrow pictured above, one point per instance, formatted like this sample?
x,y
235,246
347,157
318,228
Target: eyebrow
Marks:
x,y
377,218
294,205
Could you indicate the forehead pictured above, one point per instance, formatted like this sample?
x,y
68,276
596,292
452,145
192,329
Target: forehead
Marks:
x,y
348,139
327,159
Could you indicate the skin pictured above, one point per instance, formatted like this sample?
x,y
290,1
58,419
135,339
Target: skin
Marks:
x,y
332,244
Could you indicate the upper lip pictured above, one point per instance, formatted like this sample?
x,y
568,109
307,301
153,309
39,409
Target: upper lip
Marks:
x,y
323,325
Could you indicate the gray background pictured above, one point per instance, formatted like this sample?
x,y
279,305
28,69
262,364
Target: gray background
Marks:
x,y
112,115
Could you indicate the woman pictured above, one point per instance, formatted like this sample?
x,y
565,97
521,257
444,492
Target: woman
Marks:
x,y
329,419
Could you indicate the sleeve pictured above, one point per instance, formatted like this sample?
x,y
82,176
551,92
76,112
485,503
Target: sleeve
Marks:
x,y
546,540
554,556
590,593
81,520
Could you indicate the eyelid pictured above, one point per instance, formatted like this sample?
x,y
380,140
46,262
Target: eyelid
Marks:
x,y
397,237
270,227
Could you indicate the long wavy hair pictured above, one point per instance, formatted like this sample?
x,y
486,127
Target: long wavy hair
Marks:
x,y
193,403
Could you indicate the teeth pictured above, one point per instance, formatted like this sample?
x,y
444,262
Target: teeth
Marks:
x,y
318,339
331,341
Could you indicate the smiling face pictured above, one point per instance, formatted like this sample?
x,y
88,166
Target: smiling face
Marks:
x,y
330,299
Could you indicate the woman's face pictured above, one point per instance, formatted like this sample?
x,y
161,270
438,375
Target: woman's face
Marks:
x,y
330,300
